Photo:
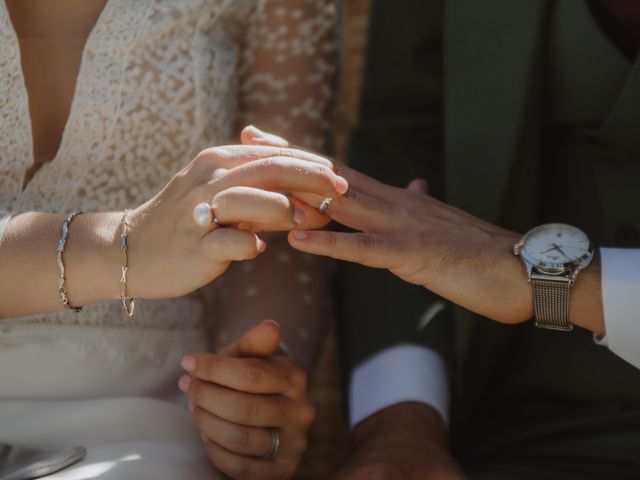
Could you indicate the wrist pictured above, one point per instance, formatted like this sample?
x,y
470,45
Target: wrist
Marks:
x,y
585,300
403,422
93,257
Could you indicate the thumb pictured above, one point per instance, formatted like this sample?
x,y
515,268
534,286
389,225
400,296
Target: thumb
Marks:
x,y
261,341
253,136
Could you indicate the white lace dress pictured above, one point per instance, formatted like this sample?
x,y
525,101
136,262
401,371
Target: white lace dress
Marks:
x,y
159,81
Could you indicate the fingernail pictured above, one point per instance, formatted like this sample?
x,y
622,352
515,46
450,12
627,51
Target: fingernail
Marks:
x,y
192,406
342,185
262,246
273,322
188,363
300,235
298,215
184,383
204,438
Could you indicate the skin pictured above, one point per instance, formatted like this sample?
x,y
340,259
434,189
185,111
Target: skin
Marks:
x,y
240,392
407,441
52,35
427,242
448,251
238,182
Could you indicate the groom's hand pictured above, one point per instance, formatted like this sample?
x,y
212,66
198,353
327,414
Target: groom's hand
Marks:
x,y
239,394
421,240
404,442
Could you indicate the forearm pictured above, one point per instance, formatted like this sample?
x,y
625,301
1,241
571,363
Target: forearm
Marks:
x,y
29,280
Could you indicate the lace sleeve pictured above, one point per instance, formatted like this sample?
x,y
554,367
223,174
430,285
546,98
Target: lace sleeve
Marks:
x,y
289,70
286,86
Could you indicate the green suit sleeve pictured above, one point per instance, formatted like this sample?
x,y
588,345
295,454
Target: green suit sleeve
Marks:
x,y
398,138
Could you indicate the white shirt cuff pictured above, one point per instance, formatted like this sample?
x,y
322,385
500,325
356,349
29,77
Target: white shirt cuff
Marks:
x,y
399,374
621,302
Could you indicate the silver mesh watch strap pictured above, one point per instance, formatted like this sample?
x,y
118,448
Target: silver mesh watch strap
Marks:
x,y
551,302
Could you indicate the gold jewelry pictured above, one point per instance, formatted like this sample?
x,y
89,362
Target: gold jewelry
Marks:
x,y
325,204
128,303
62,243
275,444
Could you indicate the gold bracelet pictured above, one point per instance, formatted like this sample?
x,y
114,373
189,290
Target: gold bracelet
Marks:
x,y
62,243
128,303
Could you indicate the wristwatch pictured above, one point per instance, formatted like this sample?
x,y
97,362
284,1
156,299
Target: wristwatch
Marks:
x,y
553,255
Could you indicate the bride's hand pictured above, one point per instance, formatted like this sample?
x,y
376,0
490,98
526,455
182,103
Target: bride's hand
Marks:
x,y
242,396
171,255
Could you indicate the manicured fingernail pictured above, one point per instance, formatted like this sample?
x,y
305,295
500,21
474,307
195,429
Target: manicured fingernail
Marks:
x,y
188,363
298,215
184,383
300,235
262,246
342,185
192,406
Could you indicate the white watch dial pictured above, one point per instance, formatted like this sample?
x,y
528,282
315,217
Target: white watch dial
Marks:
x,y
557,246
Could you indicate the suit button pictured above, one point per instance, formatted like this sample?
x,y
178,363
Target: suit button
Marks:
x,y
627,235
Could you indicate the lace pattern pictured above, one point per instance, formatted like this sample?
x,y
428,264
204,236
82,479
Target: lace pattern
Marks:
x,y
159,81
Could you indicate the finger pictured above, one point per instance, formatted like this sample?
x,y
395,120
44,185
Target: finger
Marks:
x,y
230,156
284,174
253,136
253,205
240,407
240,467
260,341
227,244
362,211
233,437
367,249
250,374
261,210
419,185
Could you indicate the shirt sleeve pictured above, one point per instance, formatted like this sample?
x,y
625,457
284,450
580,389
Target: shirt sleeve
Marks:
x,y
621,302
4,219
399,374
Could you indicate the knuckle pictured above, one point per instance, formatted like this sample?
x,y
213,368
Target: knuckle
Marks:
x,y
239,438
298,379
253,374
327,174
206,158
308,414
248,410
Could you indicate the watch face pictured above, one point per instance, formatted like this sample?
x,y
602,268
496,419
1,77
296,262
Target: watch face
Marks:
x,y
557,247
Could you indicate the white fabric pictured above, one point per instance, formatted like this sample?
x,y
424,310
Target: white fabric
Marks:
x,y
621,302
398,374
158,82
4,219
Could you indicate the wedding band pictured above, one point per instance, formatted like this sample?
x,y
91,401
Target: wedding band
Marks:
x,y
275,444
325,204
203,215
